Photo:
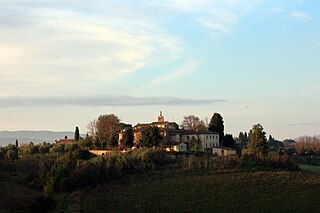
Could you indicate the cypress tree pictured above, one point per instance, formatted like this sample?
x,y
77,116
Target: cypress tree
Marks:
x,y
216,125
77,134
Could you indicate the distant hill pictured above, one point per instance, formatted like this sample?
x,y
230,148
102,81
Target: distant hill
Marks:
x,y
7,137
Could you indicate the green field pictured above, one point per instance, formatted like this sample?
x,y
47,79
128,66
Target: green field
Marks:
x,y
159,191
310,168
207,192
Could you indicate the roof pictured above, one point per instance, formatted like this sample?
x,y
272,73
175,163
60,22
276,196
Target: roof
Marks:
x,y
199,132
225,148
166,122
66,141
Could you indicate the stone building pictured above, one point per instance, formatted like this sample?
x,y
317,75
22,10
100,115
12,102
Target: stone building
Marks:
x,y
172,135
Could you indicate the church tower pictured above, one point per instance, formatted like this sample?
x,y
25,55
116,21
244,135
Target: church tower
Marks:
x,y
160,118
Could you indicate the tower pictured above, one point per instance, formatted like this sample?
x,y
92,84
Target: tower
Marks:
x,y
160,118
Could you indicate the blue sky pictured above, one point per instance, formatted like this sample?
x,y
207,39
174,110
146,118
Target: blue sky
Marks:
x,y
65,62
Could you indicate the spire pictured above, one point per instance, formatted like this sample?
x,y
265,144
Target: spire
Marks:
x,y
160,118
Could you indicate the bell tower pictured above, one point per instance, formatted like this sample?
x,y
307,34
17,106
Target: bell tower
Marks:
x,y
160,118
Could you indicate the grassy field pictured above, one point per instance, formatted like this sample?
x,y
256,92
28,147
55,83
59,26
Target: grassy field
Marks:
x,y
207,192
310,168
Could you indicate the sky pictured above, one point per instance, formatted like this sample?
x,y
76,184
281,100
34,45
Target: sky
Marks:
x,y
65,62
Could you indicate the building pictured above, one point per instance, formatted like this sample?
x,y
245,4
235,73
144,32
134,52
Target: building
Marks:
x,y
176,147
223,151
173,136
65,141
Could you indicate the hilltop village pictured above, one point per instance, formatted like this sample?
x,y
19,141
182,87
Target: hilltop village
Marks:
x,y
114,152
168,135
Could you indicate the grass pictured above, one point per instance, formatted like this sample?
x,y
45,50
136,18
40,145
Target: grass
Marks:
x,y
207,192
310,168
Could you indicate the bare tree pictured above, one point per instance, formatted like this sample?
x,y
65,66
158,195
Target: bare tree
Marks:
x,y
92,128
192,122
104,129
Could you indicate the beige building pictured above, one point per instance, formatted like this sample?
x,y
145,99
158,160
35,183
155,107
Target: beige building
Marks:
x,y
223,151
173,135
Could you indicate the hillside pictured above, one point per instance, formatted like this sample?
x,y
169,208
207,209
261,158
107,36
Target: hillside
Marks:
x,y
207,192
7,137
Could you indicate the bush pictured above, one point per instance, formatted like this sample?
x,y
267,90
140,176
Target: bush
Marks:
x,y
70,171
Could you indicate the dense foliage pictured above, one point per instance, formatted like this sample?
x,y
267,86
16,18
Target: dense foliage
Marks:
x,y
216,125
150,137
257,146
77,134
228,141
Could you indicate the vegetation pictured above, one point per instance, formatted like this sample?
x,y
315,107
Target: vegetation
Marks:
x,y
195,145
207,192
192,122
150,137
149,179
216,125
104,130
308,146
257,147
77,134
228,141
128,137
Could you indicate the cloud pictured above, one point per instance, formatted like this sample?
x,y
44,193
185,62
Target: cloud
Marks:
x,y
46,43
57,101
300,15
303,124
184,70
212,14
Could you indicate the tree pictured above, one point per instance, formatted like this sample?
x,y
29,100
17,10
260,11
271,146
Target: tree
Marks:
x,y
12,152
243,138
150,136
128,136
274,144
104,130
257,143
308,146
77,134
192,122
216,125
17,143
195,144
87,141
228,141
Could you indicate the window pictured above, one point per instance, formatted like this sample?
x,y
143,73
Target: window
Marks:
x,y
206,136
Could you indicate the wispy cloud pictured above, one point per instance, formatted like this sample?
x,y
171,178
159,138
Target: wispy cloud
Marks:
x,y
45,43
101,101
211,14
184,70
300,15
